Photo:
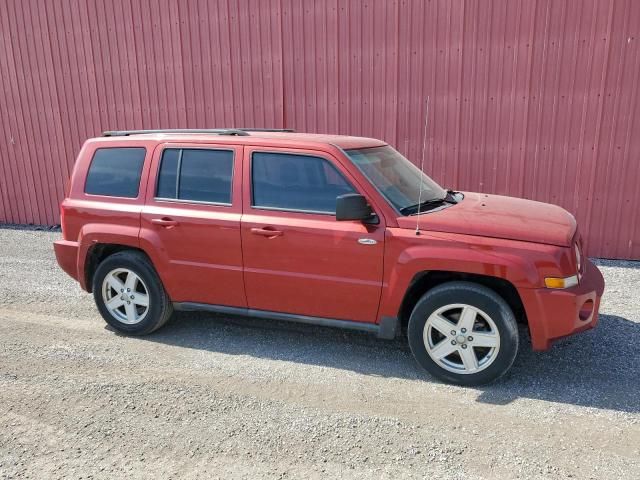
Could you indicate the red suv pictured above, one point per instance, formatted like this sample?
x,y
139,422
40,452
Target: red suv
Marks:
x,y
321,229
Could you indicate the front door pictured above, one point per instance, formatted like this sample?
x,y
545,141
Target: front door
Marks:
x,y
191,222
297,258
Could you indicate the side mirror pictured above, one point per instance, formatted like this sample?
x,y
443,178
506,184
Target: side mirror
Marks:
x,y
352,206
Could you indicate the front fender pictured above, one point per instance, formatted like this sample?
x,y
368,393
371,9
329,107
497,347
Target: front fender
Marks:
x,y
407,254
469,259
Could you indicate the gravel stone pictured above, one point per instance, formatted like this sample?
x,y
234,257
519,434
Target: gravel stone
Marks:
x,y
215,397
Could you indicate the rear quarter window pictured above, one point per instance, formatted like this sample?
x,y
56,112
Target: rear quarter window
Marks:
x,y
115,172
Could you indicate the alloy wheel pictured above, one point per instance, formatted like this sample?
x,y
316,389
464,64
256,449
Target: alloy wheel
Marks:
x,y
461,338
125,295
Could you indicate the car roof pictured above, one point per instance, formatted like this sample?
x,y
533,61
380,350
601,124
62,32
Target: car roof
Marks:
x,y
280,139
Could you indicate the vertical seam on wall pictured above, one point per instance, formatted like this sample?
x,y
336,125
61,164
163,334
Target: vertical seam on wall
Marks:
x,y
555,105
456,170
487,48
16,101
140,119
498,109
539,114
585,100
283,90
513,92
396,138
283,76
525,135
596,147
47,127
30,87
636,202
610,154
625,156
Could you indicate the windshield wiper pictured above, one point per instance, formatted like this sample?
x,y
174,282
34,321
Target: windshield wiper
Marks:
x,y
411,209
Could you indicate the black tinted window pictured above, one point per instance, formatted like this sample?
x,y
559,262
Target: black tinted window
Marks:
x,y
296,182
202,175
167,186
115,172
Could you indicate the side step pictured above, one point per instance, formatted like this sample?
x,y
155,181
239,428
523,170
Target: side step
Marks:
x,y
386,329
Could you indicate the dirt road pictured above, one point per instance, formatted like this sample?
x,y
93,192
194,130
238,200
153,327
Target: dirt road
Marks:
x,y
213,397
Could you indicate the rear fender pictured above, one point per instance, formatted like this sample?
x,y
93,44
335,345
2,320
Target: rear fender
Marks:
x,y
151,243
93,234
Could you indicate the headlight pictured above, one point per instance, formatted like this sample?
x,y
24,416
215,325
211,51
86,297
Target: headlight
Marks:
x,y
554,282
567,282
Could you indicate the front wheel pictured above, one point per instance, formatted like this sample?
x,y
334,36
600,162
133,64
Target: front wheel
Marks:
x,y
463,333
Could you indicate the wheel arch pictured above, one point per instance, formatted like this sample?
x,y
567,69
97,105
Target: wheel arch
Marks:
x,y
424,281
98,252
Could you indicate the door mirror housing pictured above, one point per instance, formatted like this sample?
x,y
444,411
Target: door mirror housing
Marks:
x,y
353,206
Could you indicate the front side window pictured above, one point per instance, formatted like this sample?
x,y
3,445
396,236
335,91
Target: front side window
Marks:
x,y
284,181
115,172
201,175
396,178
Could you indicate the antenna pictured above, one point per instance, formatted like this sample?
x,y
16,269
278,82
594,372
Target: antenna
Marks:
x,y
424,149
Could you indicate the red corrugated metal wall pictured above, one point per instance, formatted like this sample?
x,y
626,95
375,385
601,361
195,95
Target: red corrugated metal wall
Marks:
x,y
537,99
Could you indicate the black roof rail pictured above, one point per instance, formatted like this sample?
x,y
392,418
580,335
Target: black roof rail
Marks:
x,y
215,131
286,130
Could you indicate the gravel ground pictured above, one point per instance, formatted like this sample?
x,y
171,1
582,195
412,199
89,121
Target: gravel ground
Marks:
x,y
213,397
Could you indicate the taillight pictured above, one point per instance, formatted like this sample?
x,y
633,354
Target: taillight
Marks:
x,y
62,221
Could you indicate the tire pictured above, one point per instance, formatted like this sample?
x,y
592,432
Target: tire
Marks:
x,y
130,293
441,342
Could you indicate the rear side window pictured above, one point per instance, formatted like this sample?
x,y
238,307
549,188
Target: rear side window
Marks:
x,y
201,175
115,172
303,183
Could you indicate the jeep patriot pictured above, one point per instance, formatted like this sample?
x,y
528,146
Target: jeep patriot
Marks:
x,y
321,229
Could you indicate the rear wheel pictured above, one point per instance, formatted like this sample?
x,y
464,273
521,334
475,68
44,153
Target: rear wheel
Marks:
x,y
130,295
463,333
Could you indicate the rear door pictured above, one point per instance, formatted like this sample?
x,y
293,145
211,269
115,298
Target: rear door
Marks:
x,y
191,222
297,258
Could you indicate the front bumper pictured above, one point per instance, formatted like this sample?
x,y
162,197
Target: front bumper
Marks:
x,y
554,314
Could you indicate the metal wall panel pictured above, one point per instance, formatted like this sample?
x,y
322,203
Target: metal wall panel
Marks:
x,y
537,99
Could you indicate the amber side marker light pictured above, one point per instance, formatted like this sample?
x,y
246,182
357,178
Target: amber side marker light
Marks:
x,y
553,282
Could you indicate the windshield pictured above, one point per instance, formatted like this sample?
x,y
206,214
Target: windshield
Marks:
x,y
395,177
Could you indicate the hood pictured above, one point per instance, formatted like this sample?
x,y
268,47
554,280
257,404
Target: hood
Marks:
x,y
500,217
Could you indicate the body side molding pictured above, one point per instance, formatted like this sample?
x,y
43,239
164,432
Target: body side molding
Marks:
x,y
386,329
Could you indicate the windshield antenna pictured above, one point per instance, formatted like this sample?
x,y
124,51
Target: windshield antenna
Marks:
x,y
424,150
